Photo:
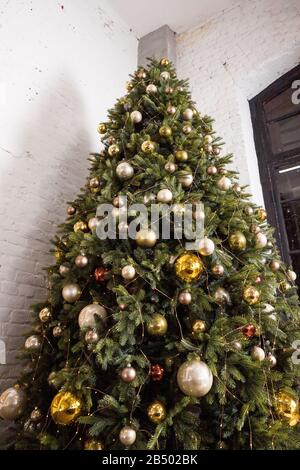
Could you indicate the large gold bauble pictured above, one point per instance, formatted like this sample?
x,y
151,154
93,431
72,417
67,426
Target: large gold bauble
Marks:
x,y
146,238
164,62
156,412
237,241
148,146
157,326
251,295
113,150
261,214
65,408
199,326
45,315
181,155
101,128
80,226
194,378
93,444
188,267
287,406
165,131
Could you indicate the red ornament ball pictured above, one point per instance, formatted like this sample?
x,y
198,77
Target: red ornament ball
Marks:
x,y
249,331
156,372
100,274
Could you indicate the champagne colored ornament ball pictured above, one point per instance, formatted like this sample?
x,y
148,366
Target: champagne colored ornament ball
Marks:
x,y
261,214
86,318
180,88
80,226
136,116
181,155
146,238
81,261
128,374
156,412
216,151
165,75
128,272
129,86
287,407
274,265
171,109
255,229
260,240
206,247
156,372
118,201
271,360
170,167
251,295
57,331
236,187
124,171
12,403
249,330
100,274
113,150
248,210
194,378
151,89
94,183
148,146
217,269
127,436
185,297
164,195
187,129
212,170
71,210
178,209
141,74
101,128
291,275
63,270
36,415
65,408
208,139
71,292
224,183
91,337
165,131
199,326
164,62
237,345
221,296
157,325
186,180
93,444
284,286
33,343
268,308
257,354
237,241
188,267
45,315
208,149
93,223
169,90
188,114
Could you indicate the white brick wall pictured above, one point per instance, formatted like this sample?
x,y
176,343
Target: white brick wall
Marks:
x,y
63,64
232,58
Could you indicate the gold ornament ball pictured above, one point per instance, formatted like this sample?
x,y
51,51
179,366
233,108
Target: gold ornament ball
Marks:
x,y
261,214
251,295
156,412
63,270
148,146
287,406
257,354
113,150
80,226
93,444
65,408
188,267
58,254
164,62
157,326
170,167
151,88
36,415
129,86
181,155
146,238
237,241
284,286
188,114
217,269
93,223
199,326
165,75
33,343
101,128
221,296
91,337
165,131
274,265
45,315
94,182
71,292
224,183
57,331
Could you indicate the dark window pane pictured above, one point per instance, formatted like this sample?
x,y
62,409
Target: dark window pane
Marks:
x,y
285,134
296,266
291,213
288,182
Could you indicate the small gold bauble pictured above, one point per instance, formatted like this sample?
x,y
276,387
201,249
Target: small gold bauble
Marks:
x,y
93,444
199,326
170,167
164,62
80,226
251,295
45,315
146,238
188,267
58,254
157,326
65,408
218,270
274,265
237,241
148,146
113,150
94,182
284,286
181,155
101,128
156,412
165,131
287,406
129,86
261,214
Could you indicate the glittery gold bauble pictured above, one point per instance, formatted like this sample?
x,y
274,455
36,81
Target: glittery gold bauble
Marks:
x,y
45,315
148,146
146,238
157,326
181,155
80,226
101,128
237,241
156,412
199,326
164,62
113,150
287,406
165,131
188,267
284,286
217,269
251,295
65,408
93,444
261,214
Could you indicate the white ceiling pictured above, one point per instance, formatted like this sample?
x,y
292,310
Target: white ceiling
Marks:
x,y
144,16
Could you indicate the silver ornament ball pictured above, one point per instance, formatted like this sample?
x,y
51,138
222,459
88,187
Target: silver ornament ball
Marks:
x,y
36,415
186,180
136,116
272,360
33,343
57,331
127,436
87,315
81,261
224,183
91,337
12,403
71,292
128,272
63,270
151,88
260,240
124,171
93,223
194,378
185,298
128,374
188,114
165,75
257,353
206,246
291,275
164,195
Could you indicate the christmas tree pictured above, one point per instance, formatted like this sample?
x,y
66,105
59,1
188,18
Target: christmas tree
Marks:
x,y
143,342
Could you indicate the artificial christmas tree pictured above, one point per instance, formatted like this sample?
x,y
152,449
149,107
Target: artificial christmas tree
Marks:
x,y
141,342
